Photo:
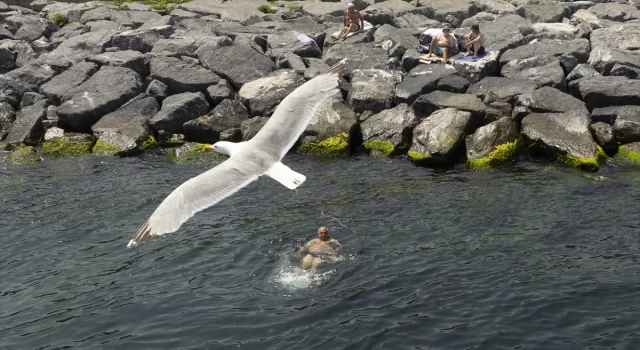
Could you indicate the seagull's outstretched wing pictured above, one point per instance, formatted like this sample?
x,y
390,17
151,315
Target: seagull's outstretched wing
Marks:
x,y
294,113
194,195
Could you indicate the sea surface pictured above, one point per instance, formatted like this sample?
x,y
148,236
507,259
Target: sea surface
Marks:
x,y
525,257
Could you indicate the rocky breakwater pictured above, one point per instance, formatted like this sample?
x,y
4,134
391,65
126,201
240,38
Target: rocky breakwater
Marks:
x,y
560,79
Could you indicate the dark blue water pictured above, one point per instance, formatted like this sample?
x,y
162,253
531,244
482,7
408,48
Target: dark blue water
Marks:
x,y
520,258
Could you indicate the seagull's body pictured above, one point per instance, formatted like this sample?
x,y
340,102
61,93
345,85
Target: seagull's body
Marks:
x,y
247,160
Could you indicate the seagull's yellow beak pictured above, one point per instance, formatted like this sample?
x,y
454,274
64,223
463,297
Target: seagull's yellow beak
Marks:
x,y
208,147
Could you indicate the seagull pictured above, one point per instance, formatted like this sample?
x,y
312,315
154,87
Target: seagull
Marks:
x,y
247,160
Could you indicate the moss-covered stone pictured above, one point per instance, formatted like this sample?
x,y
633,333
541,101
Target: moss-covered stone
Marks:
x,y
385,148
588,164
501,154
195,153
627,156
61,147
418,158
22,154
333,146
103,148
149,143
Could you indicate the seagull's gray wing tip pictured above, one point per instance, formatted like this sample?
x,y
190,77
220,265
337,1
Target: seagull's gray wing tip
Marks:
x,y
337,68
143,234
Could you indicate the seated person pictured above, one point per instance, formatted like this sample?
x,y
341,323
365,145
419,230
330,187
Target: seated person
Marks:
x,y
474,41
444,45
352,22
317,248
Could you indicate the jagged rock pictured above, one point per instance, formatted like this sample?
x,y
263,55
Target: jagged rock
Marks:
x,y
421,80
606,91
563,135
293,62
502,88
610,114
252,126
102,93
131,19
578,48
492,144
582,70
79,47
584,17
629,154
7,116
179,14
615,12
157,89
182,46
437,139
223,61
550,100
453,12
227,115
30,98
24,53
126,130
29,28
425,105
155,22
332,118
562,31
7,60
59,87
133,60
27,128
179,109
12,90
547,12
615,46
141,39
603,135
453,83
282,43
180,76
414,20
376,57
502,32
403,39
263,95
622,70
627,128
59,143
33,75
389,132
315,67
372,89
69,31
544,70
477,70
220,92
105,25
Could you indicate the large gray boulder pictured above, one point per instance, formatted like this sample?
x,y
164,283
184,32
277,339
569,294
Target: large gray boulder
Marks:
x,y
61,87
503,32
27,128
582,70
23,52
184,46
372,89
220,92
7,116
12,90
502,88
389,132
610,114
33,75
615,46
179,109
181,76
615,12
103,93
421,80
251,127
263,95
437,139
544,70
603,135
565,136
426,104
492,144
545,12
224,61
332,118
578,49
606,91
550,100
285,42
7,59
479,69
77,48
141,40
133,60
376,57
227,116
124,131
627,128
69,31
453,12
29,28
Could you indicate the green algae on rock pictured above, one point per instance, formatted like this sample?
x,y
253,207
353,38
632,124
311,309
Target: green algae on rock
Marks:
x,y
195,153
418,158
629,154
22,154
149,143
501,154
68,145
588,164
375,147
332,146
103,148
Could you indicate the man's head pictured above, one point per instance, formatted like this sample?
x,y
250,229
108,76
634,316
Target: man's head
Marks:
x,y
446,29
475,28
350,7
323,233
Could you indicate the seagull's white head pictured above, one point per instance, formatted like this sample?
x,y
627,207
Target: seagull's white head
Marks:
x,y
223,147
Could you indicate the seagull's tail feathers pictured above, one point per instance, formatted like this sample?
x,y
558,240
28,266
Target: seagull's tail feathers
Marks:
x,y
284,175
337,68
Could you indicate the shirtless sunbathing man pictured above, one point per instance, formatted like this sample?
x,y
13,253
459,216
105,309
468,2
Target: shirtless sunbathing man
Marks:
x,y
443,45
352,22
317,248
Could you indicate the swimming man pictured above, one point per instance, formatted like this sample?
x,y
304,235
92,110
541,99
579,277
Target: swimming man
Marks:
x,y
317,248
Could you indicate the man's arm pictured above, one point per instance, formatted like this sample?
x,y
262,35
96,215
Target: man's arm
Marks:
x,y
333,240
344,19
361,21
304,248
433,44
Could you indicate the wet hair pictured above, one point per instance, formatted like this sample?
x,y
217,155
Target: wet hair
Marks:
x,y
475,27
323,229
